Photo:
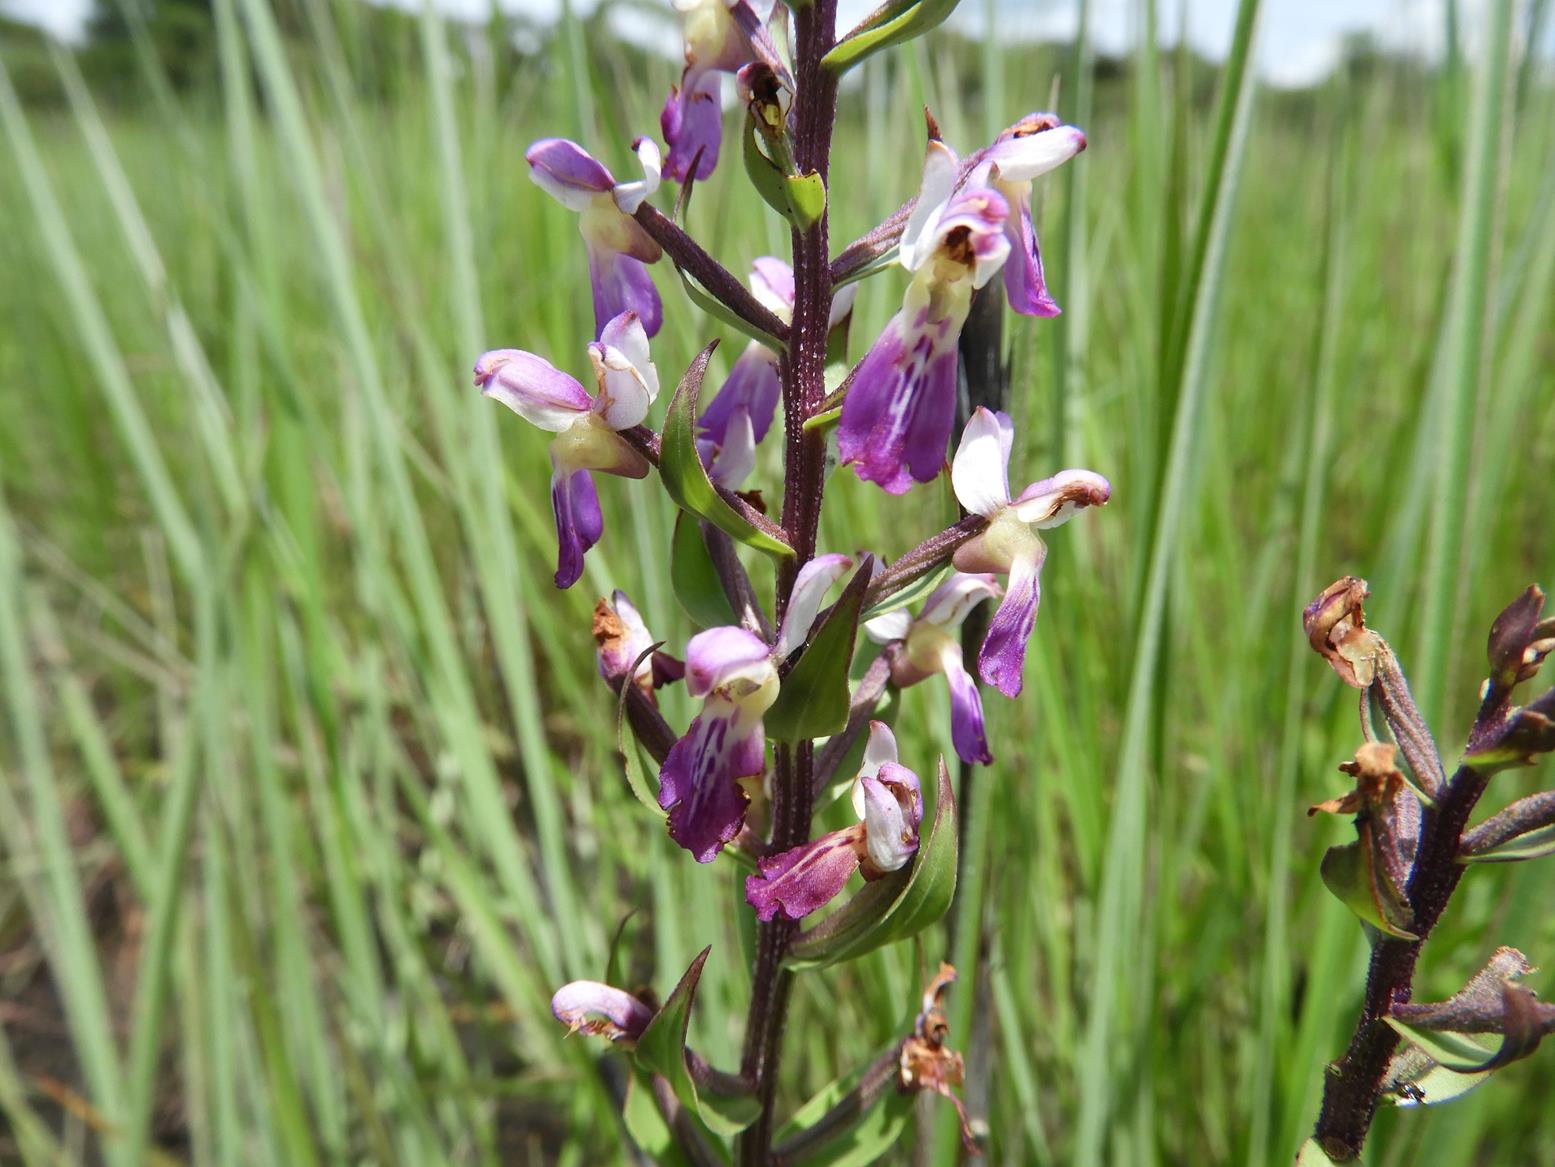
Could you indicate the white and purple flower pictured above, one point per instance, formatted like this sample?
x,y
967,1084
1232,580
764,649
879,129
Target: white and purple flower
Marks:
x,y
586,428
592,1007
734,672
919,647
899,413
980,475
621,638
618,247
1027,150
718,39
888,799
738,418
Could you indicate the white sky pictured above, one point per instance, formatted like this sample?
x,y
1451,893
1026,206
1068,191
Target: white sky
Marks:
x,y
1298,40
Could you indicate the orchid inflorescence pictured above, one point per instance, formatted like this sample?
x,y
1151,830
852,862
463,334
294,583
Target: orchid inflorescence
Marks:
x,y
792,703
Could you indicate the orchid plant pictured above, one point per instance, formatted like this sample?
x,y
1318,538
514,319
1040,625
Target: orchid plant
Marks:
x,y
793,703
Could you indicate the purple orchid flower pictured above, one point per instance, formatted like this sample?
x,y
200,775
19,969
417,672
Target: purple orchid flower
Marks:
x,y
923,646
720,37
592,1007
898,415
738,418
1027,150
618,247
734,673
888,799
586,428
980,475
622,638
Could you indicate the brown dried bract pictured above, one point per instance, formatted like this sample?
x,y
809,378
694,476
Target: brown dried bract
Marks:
x,y
1377,781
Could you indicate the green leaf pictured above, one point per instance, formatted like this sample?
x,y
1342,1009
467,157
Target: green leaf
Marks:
x,y
859,1138
694,578
806,199
890,25
685,478
1351,875
626,743
645,1124
662,1050
1434,1086
1463,1053
900,905
1534,844
799,198
814,698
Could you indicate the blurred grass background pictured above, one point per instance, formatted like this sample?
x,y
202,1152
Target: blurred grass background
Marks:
x,y
308,796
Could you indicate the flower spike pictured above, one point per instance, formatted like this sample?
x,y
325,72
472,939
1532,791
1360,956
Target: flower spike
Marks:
x,y
1010,546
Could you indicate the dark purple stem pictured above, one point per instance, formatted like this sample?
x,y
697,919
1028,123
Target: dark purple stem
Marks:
x,y
689,257
803,372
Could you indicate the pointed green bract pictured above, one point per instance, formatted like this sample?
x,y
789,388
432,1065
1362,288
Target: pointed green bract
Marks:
x,y
1349,873
814,699
694,578
890,25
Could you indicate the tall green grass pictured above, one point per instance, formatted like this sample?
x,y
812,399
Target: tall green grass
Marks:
x,y
286,681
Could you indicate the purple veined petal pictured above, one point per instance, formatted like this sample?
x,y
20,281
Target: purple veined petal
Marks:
x,y
1002,661
798,881
1024,282
620,284
730,462
888,626
699,783
950,603
752,385
897,417
1053,501
804,603
879,751
920,235
531,387
592,1007
627,379
567,172
692,121
579,523
1034,146
772,283
631,195
966,714
980,471
971,226
724,657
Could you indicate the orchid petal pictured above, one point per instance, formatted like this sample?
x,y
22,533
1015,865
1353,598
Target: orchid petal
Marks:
x,y
730,462
980,471
579,523
973,220
621,283
888,626
628,381
841,304
692,124
631,195
1021,157
1025,285
531,387
879,750
699,783
967,732
621,638
591,1007
752,385
898,415
1053,501
1002,661
804,603
885,828
567,172
724,658
940,166
798,881
950,603
772,283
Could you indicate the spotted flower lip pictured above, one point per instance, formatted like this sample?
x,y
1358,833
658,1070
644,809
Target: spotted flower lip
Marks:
x,y
898,415
734,673
586,427
923,646
1010,545
888,799
595,1008
618,247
